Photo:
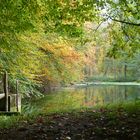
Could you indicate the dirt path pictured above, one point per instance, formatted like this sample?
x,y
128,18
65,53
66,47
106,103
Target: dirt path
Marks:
x,y
89,125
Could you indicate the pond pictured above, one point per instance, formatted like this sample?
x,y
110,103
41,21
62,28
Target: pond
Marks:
x,y
88,96
103,94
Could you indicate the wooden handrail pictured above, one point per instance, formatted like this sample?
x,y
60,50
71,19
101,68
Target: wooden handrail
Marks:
x,y
17,95
7,99
5,84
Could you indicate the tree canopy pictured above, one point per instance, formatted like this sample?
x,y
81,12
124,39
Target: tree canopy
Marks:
x,y
45,40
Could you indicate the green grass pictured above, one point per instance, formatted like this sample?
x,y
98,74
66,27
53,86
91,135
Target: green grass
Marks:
x,y
61,104
103,78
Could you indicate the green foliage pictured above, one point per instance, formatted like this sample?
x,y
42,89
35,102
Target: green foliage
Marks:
x,y
102,78
7,122
125,41
38,37
33,110
25,51
125,31
66,17
135,63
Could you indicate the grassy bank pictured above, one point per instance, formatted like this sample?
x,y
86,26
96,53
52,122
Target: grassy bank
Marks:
x,y
120,78
118,121
64,116
55,105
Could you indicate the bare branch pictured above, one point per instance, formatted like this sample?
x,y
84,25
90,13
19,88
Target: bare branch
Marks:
x,y
130,23
98,26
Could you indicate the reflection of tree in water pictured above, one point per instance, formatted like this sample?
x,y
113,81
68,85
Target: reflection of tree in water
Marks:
x,y
89,96
93,96
133,92
114,94
109,94
125,93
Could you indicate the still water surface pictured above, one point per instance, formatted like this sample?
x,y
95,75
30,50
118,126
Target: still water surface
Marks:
x,y
103,94
90,96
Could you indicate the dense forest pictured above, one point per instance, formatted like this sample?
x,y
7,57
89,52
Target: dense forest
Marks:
x,y
76,65
55,42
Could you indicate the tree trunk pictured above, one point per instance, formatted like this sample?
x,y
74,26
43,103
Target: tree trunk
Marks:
x,y
125,71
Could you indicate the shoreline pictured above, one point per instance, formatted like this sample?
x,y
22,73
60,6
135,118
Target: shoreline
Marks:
x,y
108,83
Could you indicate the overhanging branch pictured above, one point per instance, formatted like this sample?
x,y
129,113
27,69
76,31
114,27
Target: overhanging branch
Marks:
x,y
121,21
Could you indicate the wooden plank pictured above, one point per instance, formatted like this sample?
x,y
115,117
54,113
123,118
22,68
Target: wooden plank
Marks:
x,y
17,101
2,95
9,102
2,104
5,84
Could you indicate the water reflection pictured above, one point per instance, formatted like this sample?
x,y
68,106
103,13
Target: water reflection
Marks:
x,y
99,95
83,97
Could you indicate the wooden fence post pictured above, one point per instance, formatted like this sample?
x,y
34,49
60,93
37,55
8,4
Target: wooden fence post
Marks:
x,y
17,96
5,84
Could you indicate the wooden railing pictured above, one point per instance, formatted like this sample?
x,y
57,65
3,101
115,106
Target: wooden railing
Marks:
x,y
9,102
